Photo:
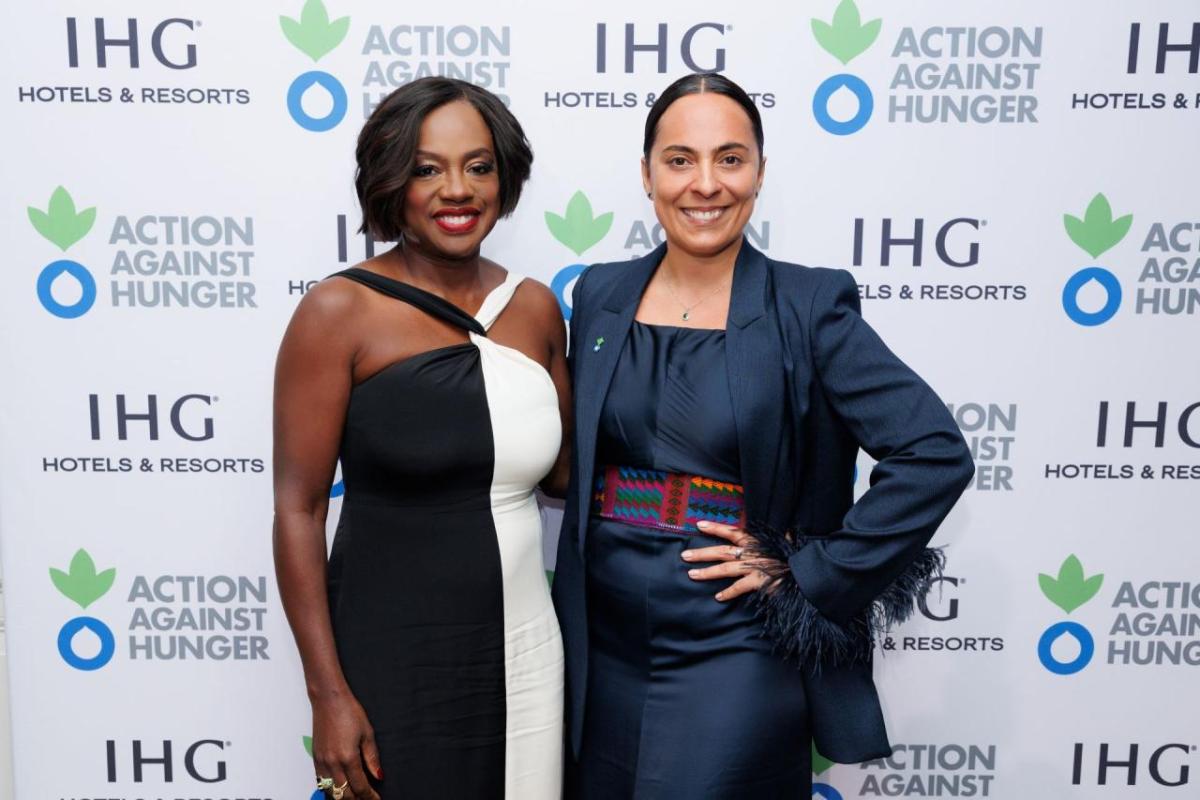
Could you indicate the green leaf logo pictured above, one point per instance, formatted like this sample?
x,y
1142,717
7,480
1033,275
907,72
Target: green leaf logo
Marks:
x,y
819,762
314,35
579,230
847,37
1070,589
308,745
1097,231
82,584
59,222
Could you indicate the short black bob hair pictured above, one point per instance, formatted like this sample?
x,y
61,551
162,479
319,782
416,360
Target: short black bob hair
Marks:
x,y
699,83
387,146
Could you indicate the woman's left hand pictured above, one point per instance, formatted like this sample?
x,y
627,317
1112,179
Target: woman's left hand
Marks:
x,y
737,561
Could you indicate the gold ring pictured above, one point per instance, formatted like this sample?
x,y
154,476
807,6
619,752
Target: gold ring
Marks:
x,y
338,791
324,784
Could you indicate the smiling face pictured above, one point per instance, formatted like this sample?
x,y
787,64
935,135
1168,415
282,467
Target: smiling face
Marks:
x,y
451,200
703,173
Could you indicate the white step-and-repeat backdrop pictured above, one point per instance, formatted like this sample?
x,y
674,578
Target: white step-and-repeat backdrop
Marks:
x,y
1013,184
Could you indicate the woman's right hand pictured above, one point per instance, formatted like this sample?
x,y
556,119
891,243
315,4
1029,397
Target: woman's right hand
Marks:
x,y
343,742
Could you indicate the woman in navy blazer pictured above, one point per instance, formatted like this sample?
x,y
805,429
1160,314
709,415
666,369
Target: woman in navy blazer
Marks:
x,y
670,692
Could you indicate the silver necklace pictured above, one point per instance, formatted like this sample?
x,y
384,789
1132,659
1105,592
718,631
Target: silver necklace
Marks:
x,y
687,310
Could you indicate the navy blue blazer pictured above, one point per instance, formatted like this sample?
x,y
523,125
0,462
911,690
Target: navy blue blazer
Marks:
x,y
811,383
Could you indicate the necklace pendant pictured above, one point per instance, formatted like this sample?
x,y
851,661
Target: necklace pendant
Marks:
x,y
687,315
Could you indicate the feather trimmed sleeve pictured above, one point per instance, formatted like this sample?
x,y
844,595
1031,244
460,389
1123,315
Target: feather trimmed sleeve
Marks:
x,y
800,633
842,589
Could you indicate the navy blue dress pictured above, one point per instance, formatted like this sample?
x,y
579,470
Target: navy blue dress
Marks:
x,y
685,698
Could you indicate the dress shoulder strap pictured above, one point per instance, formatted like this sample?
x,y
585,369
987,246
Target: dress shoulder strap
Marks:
x,y
407,293
497,300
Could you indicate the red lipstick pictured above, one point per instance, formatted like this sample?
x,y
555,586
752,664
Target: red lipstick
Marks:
x,y
457,220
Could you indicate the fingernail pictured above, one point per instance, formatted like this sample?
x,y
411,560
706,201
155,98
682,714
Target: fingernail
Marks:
x,y
719,595
686,555
693,573
703,524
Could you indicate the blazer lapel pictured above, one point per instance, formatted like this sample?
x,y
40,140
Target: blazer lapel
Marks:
x,y
754,361
600,347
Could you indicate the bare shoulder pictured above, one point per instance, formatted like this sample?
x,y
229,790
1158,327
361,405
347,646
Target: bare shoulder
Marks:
x,y
538,295
333,301
537,302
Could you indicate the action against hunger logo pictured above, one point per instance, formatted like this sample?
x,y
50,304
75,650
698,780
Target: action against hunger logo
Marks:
x,y
942,73
158,260
316,36
1154,622
82,585
845,38
819,765
172,617
62,225
1168,280
579,230
1096,233
1070,590
318,794
953,769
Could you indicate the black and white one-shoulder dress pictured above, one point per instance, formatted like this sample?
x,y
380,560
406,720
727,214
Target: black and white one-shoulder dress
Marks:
x,y
440,607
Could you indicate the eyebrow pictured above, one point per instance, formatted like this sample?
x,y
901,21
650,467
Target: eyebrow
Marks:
x,y
482,151
680,148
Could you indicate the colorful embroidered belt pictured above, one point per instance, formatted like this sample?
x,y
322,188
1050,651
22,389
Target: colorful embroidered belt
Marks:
x,y
667,500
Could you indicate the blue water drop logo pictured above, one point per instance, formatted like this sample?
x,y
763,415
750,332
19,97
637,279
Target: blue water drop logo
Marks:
x,y
1070,296
1087,648
66,643
64,269
825,792
559,286
306,82
825,92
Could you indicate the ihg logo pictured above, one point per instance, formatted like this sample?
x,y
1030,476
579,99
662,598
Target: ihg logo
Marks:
x,y
201,760
1186,49
192,426
1165,765
166,42
696,57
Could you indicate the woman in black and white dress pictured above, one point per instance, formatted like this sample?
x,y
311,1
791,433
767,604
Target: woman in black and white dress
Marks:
x,y
430,646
